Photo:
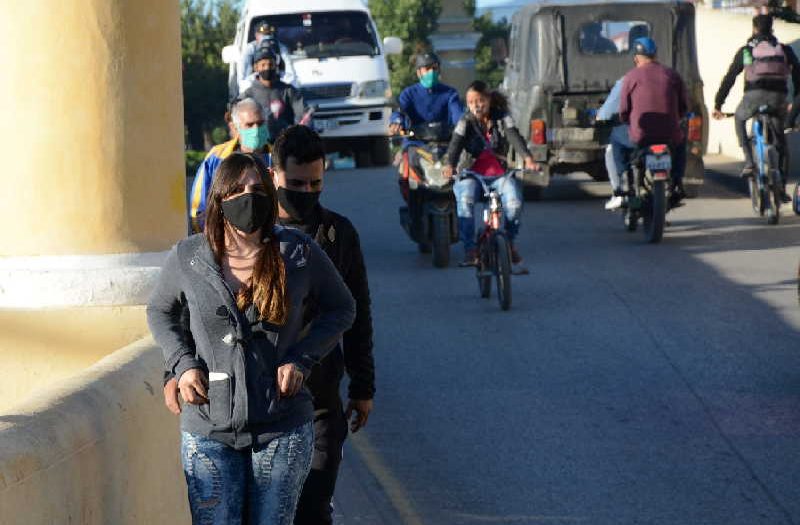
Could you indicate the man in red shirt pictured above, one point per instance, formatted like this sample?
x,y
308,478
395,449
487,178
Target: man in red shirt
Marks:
x,y
653,102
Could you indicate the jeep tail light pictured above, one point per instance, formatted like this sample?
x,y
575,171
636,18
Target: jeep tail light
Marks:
x,y
695,133
538,132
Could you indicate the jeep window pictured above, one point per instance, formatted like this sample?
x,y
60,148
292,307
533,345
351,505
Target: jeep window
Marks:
x,y
323,34
611,36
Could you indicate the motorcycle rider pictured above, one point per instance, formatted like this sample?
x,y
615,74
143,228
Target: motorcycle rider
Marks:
x,y
767,65
486,132
428,101
283,104
618,148
652,103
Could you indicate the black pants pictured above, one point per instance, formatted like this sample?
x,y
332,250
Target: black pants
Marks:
x,y
330,431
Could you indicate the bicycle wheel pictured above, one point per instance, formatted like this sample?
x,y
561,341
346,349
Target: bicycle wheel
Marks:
x,y
502,254
655,212
755,196
796,199
484,271
773,198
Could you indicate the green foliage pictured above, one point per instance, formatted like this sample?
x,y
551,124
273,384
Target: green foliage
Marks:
x,y
206,27
487,67
193,161
411,20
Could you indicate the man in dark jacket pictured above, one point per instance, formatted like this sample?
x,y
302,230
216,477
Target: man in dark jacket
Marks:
x,y
283,104
298,174
767,65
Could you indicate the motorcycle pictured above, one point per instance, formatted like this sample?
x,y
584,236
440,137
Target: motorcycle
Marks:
x,y
429,219
649,190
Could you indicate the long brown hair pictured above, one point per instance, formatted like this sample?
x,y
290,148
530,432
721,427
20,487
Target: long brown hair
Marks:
x,y
266,288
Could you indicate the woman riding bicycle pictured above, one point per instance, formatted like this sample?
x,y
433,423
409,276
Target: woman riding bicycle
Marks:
x,y
485,132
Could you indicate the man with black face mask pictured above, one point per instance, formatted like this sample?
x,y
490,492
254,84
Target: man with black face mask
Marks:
x,y
283,103
298,167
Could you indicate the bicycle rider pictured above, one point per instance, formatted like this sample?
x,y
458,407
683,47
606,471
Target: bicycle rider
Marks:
x,y
767,65
485,132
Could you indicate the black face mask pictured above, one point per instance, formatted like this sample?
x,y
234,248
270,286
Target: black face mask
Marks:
x,y
247,212
270,75
299,205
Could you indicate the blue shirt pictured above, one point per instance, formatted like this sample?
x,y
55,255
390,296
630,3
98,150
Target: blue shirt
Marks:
x,y
420,105
611,105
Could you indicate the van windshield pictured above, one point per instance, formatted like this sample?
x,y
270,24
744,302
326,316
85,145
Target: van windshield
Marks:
x,y
611,36
322,34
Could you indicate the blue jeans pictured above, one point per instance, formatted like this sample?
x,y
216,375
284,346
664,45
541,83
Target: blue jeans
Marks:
x,y
467,191
263,481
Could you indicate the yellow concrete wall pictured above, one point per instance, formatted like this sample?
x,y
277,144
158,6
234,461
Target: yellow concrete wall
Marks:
x,y
92,133
98,449
719,35
81,336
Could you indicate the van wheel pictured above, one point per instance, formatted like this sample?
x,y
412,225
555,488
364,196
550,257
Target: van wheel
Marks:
x,y
598,172
362,156
532,193
380,152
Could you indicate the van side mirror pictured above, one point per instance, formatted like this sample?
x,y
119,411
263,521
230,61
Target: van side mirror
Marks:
x,y
230,55
392,45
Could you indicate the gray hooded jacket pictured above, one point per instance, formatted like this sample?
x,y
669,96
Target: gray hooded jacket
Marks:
x,y
240,353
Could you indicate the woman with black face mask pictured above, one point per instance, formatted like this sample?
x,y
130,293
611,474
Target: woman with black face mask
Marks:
x,y
247,437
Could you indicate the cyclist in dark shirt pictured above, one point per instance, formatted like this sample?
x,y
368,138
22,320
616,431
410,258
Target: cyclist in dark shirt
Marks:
x,y
767,65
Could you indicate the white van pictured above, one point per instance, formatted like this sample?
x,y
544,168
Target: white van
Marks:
x,y
333,54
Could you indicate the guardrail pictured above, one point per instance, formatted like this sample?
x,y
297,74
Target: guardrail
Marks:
x,y
98,448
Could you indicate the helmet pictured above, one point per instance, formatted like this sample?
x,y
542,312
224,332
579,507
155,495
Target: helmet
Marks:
x,y
645,46
264,52
426,60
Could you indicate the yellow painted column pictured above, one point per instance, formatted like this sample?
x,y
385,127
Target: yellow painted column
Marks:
x,y
92,127
92,184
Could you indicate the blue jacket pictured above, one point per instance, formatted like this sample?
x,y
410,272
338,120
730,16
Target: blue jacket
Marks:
x,y
419,105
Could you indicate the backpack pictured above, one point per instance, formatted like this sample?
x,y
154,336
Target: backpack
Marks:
x,y
765,61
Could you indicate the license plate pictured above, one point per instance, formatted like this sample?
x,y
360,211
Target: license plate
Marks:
x,y
658,163
325,124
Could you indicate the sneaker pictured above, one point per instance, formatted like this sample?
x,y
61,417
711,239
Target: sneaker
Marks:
x,y
517,266
614,203
470,259
785,197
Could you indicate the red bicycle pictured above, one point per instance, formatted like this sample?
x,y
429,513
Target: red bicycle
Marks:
x,y
494,248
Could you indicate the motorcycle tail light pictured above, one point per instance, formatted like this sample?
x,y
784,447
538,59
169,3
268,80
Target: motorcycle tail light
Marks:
x,y
695,133
658,149
538,132
496,221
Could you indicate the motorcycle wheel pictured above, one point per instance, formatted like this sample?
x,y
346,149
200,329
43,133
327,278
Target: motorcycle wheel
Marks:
x,y
630,220
441,240
655,213
773,203
484,271
502,254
